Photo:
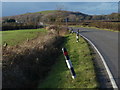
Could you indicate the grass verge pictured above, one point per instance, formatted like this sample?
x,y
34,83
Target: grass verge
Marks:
x,y
80,55
94,28
16,37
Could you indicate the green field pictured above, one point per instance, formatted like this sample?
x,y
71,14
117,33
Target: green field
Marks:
x,y
16,37
80,55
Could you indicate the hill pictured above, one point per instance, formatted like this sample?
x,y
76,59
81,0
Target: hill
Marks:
x,y
39,16
33,20
43,15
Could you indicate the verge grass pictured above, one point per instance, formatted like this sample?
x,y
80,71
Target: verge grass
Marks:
x,y
93,28
81,58
16,37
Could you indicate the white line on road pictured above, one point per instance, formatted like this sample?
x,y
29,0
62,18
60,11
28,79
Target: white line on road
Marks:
x,y
114,85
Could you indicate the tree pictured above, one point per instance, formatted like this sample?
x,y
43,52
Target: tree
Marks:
x,y
10,20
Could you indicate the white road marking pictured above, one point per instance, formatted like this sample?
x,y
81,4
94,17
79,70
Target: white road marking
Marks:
x,y
114,85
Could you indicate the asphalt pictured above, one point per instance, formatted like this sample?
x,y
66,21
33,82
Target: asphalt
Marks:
x,y
107,44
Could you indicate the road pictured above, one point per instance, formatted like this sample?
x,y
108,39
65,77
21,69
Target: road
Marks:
x,y
107,43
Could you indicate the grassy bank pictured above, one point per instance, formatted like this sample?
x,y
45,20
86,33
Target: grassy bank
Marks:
x,y
94,28
16,37
80,55
25,64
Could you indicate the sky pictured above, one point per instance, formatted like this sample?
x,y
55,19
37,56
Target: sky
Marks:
x,y
60,0
91,8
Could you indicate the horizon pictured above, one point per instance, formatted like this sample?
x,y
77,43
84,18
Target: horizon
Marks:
x,y
90,8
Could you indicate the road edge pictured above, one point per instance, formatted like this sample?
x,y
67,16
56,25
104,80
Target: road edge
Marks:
x,y
114,85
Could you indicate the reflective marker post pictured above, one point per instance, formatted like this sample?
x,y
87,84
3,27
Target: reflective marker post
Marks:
x,y
69,63
77,36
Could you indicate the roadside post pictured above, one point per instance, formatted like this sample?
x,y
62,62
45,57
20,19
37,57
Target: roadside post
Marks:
x,y
72,30
78,31
77,36
69,63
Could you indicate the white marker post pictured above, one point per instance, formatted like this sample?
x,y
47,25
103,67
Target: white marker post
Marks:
x,y
72,31
69,63
77,36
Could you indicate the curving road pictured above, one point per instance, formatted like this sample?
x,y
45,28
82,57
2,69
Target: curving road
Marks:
x,y
107,44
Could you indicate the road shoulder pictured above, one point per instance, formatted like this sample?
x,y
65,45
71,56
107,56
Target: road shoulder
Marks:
x,y
100,69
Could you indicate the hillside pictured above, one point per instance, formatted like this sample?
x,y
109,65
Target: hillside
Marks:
x,y
41,16
35,20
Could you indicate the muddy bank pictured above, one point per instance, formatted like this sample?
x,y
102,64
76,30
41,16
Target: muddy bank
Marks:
x,y
26,64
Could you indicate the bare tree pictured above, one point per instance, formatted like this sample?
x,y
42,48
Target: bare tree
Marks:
x,y
61,16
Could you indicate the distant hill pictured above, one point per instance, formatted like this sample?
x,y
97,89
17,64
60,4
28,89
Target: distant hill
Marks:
x,y
52,15
34,20
44,15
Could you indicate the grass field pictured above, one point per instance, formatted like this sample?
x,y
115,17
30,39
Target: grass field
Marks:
x,y
80,55
15,37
